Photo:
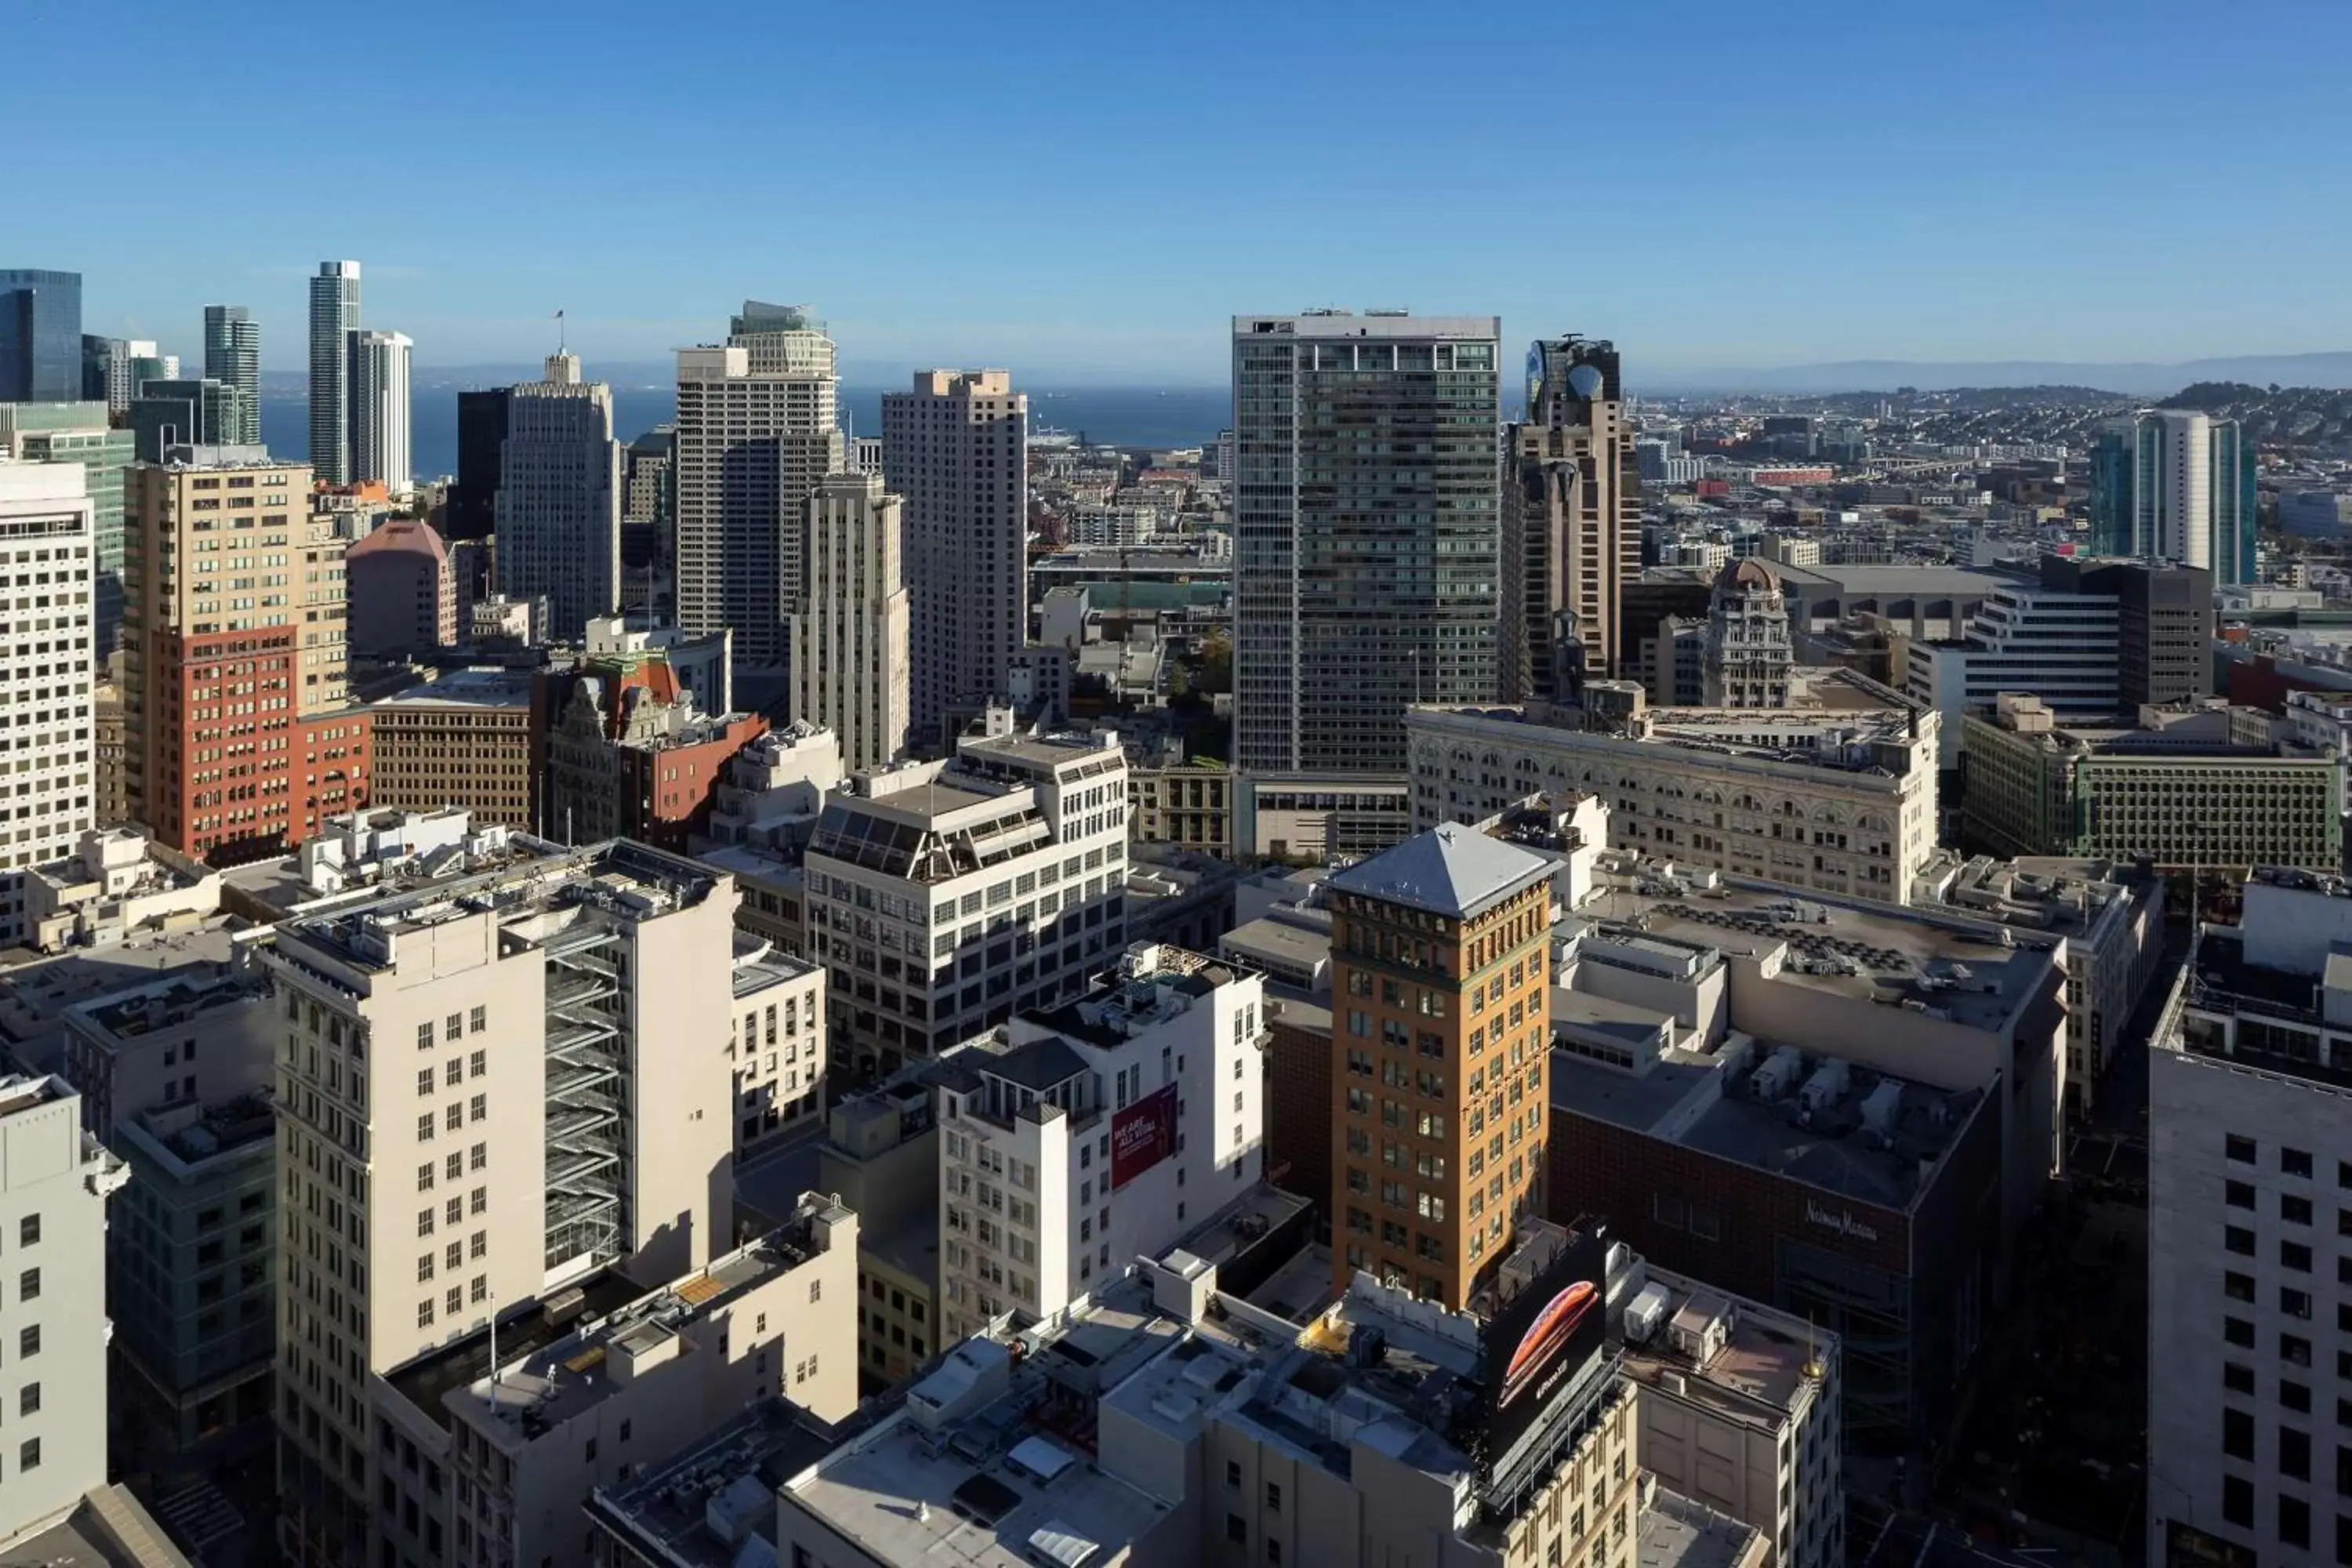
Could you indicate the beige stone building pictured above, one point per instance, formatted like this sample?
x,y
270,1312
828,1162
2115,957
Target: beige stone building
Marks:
x,y
490,1088
463,740
1188,804
849,627
590,1385
1837,795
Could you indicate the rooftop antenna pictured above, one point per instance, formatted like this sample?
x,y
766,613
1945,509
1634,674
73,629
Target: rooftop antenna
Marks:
x,y
560,341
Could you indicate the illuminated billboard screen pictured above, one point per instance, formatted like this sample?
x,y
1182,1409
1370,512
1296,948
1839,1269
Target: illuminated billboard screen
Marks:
x,y
1543,1338
1142,1135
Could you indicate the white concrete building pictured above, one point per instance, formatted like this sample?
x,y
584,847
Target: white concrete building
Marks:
x,y
955,446
778,1046
559,500
849,625
757,428
55,1180
1096,1131
117,884
2250,1151
1839,796
47,672
490,1085
944,896
379,421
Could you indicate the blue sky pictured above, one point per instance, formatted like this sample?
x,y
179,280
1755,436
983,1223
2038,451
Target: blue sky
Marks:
x,y
1086,192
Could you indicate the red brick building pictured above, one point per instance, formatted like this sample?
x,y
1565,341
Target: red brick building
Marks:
x,y
241,741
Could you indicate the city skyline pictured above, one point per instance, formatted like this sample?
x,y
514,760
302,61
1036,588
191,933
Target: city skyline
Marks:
x,y
1831,185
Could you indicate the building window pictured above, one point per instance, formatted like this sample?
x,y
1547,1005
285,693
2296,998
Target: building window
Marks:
x,y
2238,1501
29,1231
28,1399
2295,1163
28,1454
1236,1530
28,1285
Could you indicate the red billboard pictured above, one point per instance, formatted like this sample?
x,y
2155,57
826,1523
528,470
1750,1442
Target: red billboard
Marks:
x,y
1142,1135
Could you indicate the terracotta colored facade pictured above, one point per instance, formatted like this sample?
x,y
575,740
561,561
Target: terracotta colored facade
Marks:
x,y
1439,1036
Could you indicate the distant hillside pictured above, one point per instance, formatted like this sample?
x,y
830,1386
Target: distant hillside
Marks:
x,y
2287,418
2137,379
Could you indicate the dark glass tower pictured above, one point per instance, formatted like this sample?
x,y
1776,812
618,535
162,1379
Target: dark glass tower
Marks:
x,y
481,448
40,336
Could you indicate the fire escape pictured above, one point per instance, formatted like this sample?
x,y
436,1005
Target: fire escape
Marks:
x,y
585,1059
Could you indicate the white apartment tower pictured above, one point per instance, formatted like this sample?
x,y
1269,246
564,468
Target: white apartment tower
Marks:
x,y
956,447
944,896
46,559
379,398
55,1180
1096,1131
2249,1157
559,500
1367,547
334,317
849,627
490,1086
757,429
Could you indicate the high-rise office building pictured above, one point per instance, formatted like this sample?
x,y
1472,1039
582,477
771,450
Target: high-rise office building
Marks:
x,y
1365,544
47,672
113,370
558,511
1571,519
233,355
757,428
849,628
379,397
1440,1028
2176,485
242,738
334,317
187,412
956,447
649,502
79,433
40,336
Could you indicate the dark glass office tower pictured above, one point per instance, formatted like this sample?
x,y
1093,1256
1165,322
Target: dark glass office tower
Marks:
x,y
481,448
40,336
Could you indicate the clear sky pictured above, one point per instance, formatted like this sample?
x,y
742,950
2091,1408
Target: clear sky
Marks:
x,y
1088,191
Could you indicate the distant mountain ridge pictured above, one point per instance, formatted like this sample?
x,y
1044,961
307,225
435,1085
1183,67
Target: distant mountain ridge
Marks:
x,y
2333,369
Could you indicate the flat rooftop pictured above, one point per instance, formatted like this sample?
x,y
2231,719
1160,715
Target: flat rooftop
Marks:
x,y
631,880
1677,1533
1871,952
664,1508
1282,940
169,1004
1882,581
1765,1362
1837,1150
428,1381
465,688
35,991
773,969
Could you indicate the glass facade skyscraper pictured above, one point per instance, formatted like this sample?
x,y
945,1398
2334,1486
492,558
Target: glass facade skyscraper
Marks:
x,y
77,433
40,336
334,317
2176,485
232,357
1366,538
